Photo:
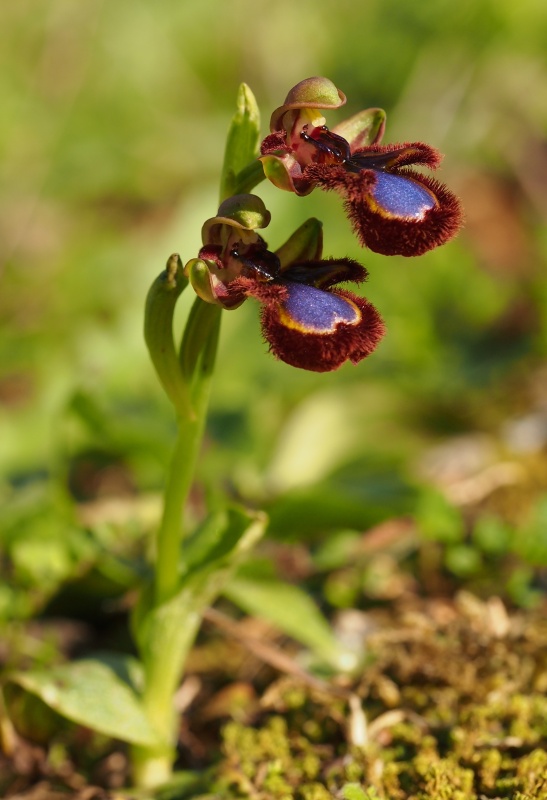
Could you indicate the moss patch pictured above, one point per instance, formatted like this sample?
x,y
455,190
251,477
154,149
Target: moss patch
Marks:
x,y
456,698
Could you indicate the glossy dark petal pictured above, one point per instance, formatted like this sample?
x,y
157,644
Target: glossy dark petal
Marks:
x,y
394,156
325,273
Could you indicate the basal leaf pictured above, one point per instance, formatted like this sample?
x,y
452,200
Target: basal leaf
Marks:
x,y
293,611
92,693
166,632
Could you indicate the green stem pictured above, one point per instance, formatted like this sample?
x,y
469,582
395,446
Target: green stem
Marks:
x,y
178,485
166,649
168,624
150,769
198,353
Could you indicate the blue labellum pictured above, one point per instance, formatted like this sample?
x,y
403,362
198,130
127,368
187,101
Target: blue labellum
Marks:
x,y
317,311
400,196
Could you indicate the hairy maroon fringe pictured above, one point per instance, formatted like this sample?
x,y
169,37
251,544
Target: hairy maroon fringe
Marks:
x,y
324,352
371,329
212,252
266,291
335,177
388,235
391,236
273,143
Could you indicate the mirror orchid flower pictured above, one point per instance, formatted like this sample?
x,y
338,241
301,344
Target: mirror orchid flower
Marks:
x,y
394,209
307,319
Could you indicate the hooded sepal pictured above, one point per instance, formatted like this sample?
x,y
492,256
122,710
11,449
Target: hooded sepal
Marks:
x,y
314,94
245,212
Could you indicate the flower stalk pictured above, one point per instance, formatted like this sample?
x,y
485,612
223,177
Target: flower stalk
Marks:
x,y
168,619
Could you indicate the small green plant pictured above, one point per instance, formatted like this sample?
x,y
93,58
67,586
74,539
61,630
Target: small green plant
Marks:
x,y
309,322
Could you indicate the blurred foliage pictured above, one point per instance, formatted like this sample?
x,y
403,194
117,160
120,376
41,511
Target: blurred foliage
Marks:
x,y
114,120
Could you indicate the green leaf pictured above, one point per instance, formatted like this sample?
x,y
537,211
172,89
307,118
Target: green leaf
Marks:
x,y
166,632
293,611
463,560
491,535
158,331
216,538
198,347
242,141
93,693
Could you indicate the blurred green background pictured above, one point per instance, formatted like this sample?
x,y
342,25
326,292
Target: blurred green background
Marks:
x,y
114,116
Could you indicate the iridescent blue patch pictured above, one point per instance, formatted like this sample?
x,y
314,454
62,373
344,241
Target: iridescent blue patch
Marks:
x,y
317,311
402,197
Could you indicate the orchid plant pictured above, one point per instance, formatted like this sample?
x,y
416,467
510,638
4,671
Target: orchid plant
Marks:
x,y
308,321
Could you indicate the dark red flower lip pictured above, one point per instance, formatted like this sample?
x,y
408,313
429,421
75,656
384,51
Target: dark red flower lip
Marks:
x,y
311,325
322,347
398,212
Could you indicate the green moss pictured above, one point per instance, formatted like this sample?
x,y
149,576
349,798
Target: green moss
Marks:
x,y
314,791
444,780
472,724
532,774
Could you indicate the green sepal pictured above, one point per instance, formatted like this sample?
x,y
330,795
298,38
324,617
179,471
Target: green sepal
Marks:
x,y
363,129
158,331
311,93
305,244
200,280
242,141
277,173
246,212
